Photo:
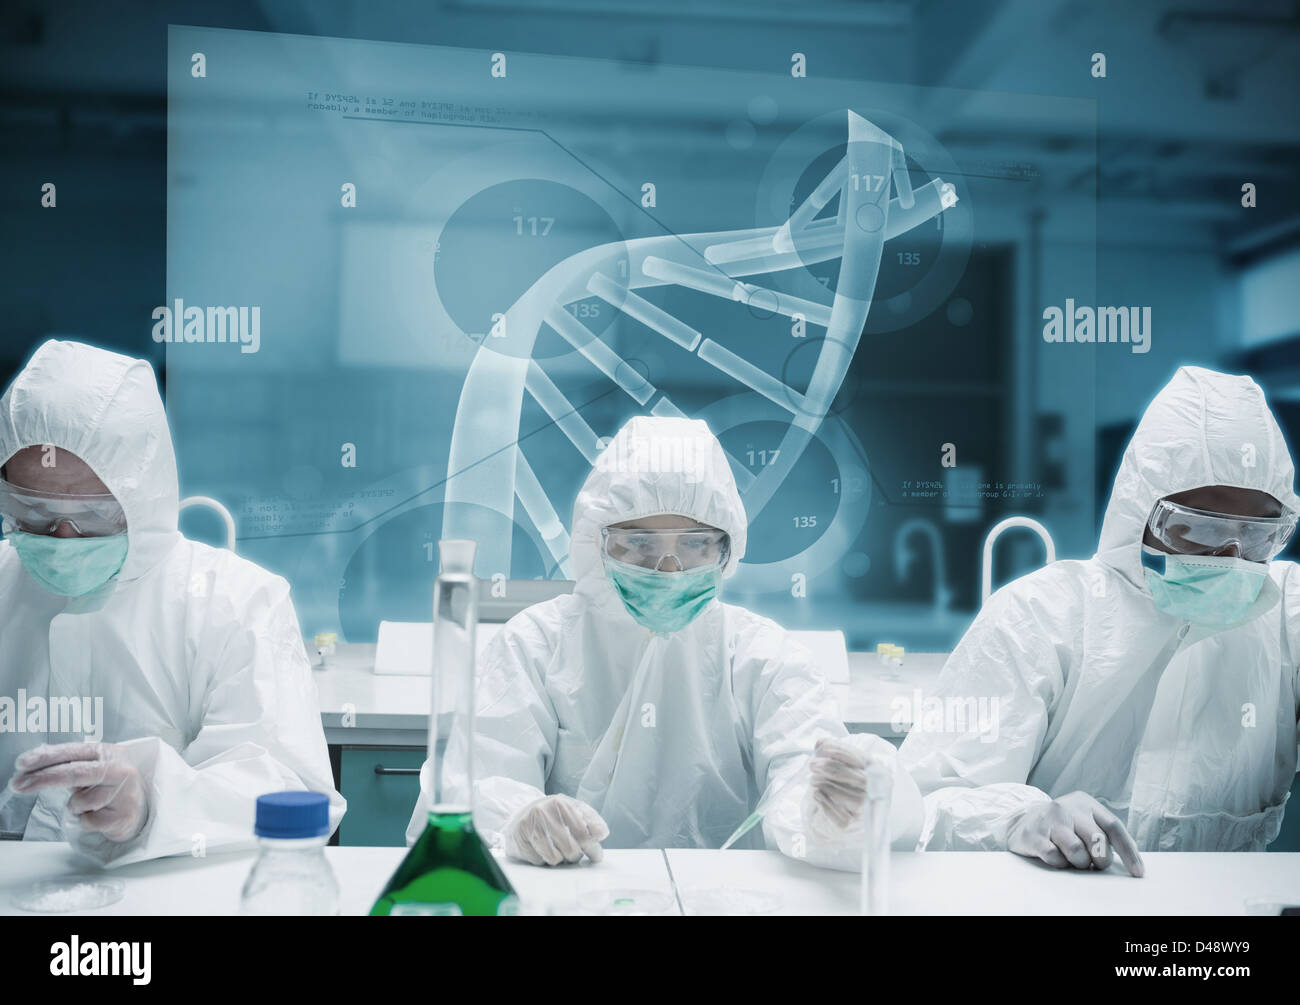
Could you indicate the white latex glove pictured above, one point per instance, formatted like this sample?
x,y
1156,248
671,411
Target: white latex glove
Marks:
x,y
108,795
842,778
553,830
1074,831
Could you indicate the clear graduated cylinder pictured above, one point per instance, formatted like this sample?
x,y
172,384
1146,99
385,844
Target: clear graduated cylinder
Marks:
x,y
449,870
455,624
876,844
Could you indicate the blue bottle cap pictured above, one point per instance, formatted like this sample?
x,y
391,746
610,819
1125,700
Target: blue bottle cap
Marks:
x,y
293,815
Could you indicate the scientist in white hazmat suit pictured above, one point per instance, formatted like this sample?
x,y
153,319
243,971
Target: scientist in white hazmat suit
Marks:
x,y
1147,696
642,712
189,658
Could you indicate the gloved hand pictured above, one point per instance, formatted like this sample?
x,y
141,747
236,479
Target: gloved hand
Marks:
x,y
555,829
842,780
1074,831
108,794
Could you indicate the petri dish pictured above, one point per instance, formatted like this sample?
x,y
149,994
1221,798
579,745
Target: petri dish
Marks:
x,y
722,900
1274,905
71,893
564,909
629,903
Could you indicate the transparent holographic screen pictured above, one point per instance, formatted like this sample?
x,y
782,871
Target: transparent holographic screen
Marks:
x,y
372,317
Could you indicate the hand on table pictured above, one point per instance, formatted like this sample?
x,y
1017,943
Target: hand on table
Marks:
x,y
1074,831
555,829
108,795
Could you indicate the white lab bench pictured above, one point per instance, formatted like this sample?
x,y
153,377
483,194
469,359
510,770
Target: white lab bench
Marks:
x,y
362,708
376,726
930,883
212,885
933,883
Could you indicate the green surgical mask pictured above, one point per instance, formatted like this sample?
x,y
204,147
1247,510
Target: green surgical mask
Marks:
x,y
70,566
664,602
1207,590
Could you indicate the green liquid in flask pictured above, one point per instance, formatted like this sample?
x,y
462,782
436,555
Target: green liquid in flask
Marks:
x,y
449,871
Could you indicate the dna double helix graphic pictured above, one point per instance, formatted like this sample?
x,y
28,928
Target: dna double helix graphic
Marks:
x,y
492,485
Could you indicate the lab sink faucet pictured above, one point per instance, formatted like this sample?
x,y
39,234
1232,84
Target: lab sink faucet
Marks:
x,y
986,587
903,554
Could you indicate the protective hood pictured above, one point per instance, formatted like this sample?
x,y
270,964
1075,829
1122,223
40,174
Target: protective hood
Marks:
x,y
1202,428
105,408
656,465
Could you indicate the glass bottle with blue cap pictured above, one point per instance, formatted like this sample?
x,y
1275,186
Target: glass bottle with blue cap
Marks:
x,y
291,874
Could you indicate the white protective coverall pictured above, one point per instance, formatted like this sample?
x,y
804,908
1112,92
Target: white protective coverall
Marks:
x,y
1186,733
196,653
671,738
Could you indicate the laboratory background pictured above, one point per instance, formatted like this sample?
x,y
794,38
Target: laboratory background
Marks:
x,y
422,264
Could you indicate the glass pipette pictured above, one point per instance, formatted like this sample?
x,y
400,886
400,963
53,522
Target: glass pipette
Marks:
x,y
748,824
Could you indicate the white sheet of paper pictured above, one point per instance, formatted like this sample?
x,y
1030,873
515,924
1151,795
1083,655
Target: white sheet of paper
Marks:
x,y
829,651
406,647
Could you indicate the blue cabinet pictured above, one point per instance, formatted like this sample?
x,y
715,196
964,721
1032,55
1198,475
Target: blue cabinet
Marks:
x,y
381,785
1289,837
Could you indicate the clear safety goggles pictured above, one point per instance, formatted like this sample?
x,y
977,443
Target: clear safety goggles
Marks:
x,y
667,550
1188,531
34,512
